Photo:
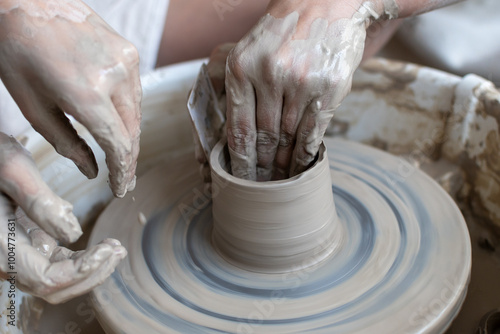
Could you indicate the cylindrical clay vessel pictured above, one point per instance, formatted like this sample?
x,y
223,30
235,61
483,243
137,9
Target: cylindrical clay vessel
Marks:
x,y
275,226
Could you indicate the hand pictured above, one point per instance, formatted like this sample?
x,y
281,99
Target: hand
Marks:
x,y
43,268
59,57
285,79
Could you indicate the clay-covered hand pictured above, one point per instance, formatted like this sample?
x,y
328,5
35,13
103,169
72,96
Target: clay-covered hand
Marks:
x,y
58,56
30,250
285,79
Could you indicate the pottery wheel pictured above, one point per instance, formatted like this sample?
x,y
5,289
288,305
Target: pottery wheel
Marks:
x,y
403,267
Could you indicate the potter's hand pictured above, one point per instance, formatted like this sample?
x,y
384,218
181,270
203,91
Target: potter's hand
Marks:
x,y
43,268
59,57
284,80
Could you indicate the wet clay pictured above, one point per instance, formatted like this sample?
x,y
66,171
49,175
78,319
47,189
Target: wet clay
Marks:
x,y
276,226
403,265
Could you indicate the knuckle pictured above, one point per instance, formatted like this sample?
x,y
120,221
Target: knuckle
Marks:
x,y
286,139
303,135
267,142
267,138
240,138
299,78
130,54
236,66
316,83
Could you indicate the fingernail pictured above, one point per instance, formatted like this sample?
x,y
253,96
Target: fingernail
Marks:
x,y
112,242
73,231
119,191
88,169
120,251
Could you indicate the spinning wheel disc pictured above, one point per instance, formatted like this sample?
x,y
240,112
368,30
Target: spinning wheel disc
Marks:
x,y
403,266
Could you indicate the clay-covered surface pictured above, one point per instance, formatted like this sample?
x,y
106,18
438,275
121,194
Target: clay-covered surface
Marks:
x,y
430,117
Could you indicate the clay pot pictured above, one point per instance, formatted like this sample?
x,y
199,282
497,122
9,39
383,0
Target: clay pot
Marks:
x,y
274,226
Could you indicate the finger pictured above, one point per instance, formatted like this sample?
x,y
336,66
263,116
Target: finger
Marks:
x,y
309,136
240,124
48,120
60,281
269,106
40,240
20,180
62,253
105,124
127,101
97,267
294,106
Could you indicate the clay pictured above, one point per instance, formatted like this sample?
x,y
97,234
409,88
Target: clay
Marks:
x,y
264,227
397,270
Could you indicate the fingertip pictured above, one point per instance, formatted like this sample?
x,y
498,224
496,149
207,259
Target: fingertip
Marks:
x,y
303,159
118,185
84,159
243,166
119,193
112,242
73,230
132,183
55,216
120,252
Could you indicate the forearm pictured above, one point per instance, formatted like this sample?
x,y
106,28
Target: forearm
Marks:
x,y
338,9
407,8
